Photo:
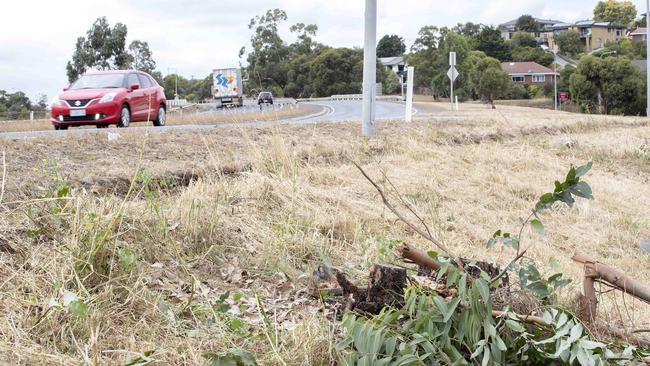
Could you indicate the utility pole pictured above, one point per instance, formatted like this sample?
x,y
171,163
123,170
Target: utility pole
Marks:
x,y
370,68
647,36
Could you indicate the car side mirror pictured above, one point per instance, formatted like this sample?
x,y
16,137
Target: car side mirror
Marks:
x,y
135,86
66,88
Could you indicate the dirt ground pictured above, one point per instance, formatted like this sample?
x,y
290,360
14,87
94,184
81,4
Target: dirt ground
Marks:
x,y
149,231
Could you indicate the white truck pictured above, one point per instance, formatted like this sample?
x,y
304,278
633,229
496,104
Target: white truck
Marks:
x,y
227,87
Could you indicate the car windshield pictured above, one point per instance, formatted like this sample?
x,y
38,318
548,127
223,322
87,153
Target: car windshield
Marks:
x,y
99,81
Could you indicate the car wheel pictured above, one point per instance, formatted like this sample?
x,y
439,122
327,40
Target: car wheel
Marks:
x,y
125,117
162,117
102,125
60,127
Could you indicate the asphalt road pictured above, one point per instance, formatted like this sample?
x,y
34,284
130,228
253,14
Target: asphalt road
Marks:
x,y
332,111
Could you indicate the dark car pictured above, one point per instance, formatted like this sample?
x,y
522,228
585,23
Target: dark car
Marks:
x,y
110,97
265,98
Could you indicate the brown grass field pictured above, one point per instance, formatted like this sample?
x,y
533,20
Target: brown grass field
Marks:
x,y
156,227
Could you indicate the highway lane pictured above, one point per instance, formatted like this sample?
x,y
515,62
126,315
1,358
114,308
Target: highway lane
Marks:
x,y
332,111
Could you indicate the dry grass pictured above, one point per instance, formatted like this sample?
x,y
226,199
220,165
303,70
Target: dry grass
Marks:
x,y
187,118
264,207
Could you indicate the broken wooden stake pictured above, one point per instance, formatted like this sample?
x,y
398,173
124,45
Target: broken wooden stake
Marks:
x,y
613,277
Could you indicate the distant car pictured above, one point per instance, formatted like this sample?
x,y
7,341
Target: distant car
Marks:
x,y
265,98
110,97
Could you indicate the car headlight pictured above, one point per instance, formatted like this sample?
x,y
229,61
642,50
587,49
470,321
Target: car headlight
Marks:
x,y
56,102
108,98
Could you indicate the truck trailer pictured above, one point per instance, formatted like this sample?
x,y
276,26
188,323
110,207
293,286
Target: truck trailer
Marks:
x,y
227,87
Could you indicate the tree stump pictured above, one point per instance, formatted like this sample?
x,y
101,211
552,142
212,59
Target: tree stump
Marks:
x,y
386,288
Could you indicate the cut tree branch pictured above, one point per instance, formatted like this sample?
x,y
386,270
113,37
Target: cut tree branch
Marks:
x,y
614,278
399,215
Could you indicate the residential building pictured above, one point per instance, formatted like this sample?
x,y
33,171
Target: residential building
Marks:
x,y
395,64
529,73
542,36
638,35
593,35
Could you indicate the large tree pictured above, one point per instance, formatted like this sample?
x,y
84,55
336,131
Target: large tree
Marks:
x,y
620,12
102,48
526,23
391,45
611,86
569,42
268,59
489,41
494,84
141,56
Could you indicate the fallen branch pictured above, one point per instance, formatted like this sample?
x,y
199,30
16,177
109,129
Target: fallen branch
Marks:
x,y
399,215
417,256
613,277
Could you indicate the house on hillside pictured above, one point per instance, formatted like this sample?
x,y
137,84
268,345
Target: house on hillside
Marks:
x,y
638,35
593,35
395,64
542,36
529,73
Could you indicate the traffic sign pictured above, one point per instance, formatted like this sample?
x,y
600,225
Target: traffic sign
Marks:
x,y
452,74
452,58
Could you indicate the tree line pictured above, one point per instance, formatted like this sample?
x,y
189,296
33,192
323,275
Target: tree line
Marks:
x,y
17,105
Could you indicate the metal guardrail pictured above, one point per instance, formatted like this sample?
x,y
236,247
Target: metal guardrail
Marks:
x,y
342,97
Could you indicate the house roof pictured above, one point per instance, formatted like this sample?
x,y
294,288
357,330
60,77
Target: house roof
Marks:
x,y
525,68
593,23
544,22
639,32
392,61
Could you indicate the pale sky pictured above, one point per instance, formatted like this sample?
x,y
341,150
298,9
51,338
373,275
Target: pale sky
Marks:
x,y
37,38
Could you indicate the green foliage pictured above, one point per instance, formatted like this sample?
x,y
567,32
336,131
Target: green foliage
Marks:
x,y
494,84
623,47
619,12
105,48
235,357
532,54
146,358
462,329
17,105
489,41
568,42
390,46
523,39
192,90
391,84
610,86
141,55
526,23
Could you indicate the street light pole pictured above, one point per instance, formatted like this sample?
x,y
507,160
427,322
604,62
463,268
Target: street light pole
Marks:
x,y
555,77
369,68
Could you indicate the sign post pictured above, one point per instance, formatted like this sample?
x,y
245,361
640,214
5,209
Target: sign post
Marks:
x,y
409,93
452,74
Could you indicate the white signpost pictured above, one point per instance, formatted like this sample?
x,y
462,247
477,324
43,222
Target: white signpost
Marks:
x,y
369,68
452,74
409,94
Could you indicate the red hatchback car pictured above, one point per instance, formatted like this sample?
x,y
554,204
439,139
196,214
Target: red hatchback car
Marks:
x,y
110,97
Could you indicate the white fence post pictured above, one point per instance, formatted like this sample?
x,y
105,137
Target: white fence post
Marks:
x,y
409,94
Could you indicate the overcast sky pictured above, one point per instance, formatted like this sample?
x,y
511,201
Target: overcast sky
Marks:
x,y
37,38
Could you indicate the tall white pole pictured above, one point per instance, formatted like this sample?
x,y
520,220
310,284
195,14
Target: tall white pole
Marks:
x,y
370,68
409,94
647,36
452,95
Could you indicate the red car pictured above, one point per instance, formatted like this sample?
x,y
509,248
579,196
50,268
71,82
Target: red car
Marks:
x,y
110,97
